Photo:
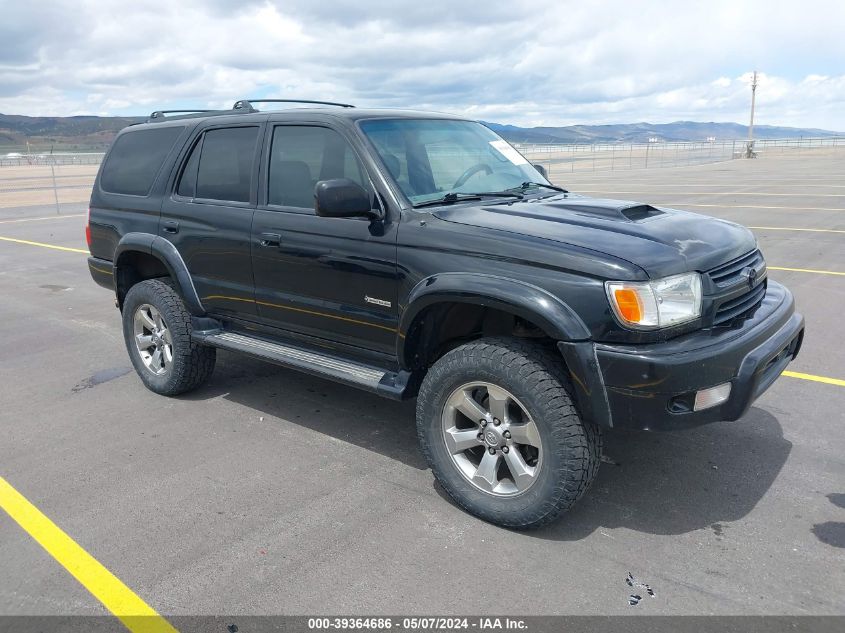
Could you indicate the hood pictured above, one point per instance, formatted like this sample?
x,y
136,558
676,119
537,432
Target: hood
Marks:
x,y
659,240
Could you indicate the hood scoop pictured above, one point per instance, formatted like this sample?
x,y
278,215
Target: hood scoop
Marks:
x,y
608,209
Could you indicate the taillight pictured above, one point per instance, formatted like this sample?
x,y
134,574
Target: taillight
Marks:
x,y
88,230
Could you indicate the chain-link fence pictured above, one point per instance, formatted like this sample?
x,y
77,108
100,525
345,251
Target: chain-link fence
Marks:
x,y
16,159
560,159
816,146
54,183
62,182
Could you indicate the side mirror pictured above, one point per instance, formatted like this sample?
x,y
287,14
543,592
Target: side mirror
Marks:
x,y
342,198
541,169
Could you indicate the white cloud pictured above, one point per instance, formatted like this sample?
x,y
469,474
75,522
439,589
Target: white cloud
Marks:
x,y
537,62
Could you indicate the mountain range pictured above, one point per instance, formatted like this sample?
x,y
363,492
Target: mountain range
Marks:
x,y
643,132
92,133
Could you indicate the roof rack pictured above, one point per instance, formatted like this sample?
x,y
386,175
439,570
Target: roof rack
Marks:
x,y
160,113
246,104
160,116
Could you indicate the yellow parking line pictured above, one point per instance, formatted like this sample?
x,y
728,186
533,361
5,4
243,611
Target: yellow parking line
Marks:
x,y
747,206
824,379
716,193
119,599
790,228
646,186
51,217
806,270
43,245
80,250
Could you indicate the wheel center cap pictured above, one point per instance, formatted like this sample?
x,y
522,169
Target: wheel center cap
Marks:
x,y
492,438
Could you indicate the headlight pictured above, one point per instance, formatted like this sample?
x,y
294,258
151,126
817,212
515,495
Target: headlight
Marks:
x,y
649,305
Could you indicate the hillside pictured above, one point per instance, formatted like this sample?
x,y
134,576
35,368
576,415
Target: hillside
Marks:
x,y
92,133
642,132
84,133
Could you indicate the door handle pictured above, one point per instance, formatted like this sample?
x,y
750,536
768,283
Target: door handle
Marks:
x,y
170,226
270,239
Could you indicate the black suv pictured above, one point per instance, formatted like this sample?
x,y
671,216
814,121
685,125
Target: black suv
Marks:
x,y
420,255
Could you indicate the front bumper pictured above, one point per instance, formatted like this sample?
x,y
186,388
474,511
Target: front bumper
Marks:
x,y
653,386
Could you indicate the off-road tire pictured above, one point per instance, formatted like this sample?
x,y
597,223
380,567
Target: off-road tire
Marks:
x,y
192,363
536,377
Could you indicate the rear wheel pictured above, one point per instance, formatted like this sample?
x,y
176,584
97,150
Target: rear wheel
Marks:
x,y
157,330
502,435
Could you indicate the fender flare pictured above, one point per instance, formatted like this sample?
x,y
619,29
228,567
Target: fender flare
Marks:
x,y
526,300
167,254
523,299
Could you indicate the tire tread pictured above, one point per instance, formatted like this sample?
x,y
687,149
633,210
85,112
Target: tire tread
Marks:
x,y
578,442
193,363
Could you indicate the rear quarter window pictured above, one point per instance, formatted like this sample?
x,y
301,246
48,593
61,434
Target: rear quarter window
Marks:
x,y
225,166
135,159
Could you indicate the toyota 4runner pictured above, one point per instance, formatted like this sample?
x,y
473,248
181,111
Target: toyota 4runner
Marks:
x,y
420,255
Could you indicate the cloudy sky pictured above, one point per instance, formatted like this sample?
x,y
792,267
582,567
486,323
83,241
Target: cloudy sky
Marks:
x,y
534,62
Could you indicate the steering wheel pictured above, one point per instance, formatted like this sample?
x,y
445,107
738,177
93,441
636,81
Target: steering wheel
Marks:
x,y
469,173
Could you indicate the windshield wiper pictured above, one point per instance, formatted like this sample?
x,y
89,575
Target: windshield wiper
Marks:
x,y
529,184
451,198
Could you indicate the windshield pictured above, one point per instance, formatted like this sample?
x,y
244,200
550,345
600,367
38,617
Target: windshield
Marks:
x,y
429,158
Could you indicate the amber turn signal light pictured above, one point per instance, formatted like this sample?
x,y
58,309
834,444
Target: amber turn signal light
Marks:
x,y
629,304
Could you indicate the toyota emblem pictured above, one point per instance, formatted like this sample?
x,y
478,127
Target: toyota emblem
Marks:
x,y
750,275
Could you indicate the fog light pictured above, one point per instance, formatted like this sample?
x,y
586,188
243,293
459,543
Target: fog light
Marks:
x,y
707,398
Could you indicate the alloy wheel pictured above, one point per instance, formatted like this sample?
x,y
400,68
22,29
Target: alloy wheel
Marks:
x,y
492,439
152,339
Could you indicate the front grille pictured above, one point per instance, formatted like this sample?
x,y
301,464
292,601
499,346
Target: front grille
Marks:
x,y
740,306
731,273
735,297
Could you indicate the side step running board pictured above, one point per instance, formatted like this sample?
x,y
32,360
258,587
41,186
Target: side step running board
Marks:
x,y
390,384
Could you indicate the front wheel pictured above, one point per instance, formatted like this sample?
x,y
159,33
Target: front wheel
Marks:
x,y
502,435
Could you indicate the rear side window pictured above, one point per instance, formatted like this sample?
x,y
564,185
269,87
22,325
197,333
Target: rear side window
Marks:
x,y
220,165
135,159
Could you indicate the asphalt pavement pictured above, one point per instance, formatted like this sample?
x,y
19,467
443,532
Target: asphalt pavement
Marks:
x,y
272,492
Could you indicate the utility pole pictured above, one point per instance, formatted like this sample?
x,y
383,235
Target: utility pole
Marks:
x,y
749,148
